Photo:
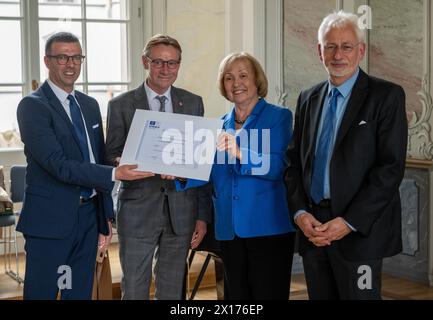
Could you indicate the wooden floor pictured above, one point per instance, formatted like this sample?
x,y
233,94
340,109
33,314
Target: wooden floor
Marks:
x,y
393,288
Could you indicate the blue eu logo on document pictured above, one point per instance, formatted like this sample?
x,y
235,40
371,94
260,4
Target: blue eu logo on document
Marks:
x,y
154,124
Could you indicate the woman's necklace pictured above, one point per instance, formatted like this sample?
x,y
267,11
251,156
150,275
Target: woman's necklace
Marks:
x,y
241,122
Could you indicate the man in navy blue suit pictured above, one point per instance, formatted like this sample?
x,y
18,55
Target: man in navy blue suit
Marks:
x,y
68,194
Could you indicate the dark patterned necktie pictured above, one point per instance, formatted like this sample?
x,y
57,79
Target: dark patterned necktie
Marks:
x,y
162,100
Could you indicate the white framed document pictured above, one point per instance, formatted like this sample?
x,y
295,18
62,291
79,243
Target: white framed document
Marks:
x,y
172,144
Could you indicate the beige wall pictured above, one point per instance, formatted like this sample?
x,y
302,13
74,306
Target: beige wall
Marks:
x,y
199,27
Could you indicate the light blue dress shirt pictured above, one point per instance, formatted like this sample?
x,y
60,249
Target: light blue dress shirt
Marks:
x,y
345,92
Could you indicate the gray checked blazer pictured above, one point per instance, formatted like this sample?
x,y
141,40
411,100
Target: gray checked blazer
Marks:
x,y
141,202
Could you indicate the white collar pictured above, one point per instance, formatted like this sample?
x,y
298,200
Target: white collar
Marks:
x,y
61,94
152,94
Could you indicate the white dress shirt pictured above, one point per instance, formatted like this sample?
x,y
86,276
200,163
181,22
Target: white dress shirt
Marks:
x,y
154,104
63,98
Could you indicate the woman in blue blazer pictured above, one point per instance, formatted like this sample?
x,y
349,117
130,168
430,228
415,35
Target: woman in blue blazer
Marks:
x,y
251,212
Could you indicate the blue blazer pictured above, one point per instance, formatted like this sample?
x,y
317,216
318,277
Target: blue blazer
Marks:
x,y
250,199
55,167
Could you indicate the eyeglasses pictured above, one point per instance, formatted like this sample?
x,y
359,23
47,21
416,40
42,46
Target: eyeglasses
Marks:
x,y
345,47
63,59
159,63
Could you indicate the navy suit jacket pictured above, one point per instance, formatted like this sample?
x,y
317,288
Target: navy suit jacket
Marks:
x,y
55,166
250,198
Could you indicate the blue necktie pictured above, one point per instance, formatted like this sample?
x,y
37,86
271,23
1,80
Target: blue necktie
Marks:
x,y
78,123
324,148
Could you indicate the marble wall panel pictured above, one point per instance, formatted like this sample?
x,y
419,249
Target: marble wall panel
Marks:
x,y
302,66
396,46
413,262
409,192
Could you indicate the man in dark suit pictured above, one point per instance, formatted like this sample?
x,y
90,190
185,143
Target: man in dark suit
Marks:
x,y
155,222
347,160
68,194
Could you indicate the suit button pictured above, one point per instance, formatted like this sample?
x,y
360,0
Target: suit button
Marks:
x,y
231,171
235,198
162,189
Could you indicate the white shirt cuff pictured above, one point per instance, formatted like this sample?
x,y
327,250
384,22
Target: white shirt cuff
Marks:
x,y
349,225
299,213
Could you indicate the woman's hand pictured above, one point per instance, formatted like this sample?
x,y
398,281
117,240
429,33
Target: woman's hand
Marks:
x,y
227,142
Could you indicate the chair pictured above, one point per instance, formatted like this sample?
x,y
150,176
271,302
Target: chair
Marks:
x,y
17,175
18,183
219,274
212,249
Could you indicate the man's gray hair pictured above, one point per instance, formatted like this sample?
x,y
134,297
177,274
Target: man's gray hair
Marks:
x,y
340,19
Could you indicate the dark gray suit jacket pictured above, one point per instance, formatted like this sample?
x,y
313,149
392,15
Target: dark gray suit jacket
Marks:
x,y
141,202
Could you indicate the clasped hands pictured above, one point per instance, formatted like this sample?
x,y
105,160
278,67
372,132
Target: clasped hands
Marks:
x,y
319,234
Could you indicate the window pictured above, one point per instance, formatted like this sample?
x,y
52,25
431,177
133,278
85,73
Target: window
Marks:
x,y
102,27
11,75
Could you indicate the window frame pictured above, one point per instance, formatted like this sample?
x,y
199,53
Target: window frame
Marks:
x,y
30,52
85,83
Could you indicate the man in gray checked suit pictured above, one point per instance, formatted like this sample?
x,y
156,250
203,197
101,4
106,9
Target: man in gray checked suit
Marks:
x,y
153,220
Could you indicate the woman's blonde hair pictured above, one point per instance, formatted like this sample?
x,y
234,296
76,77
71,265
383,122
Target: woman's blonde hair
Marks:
x,y
261,79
